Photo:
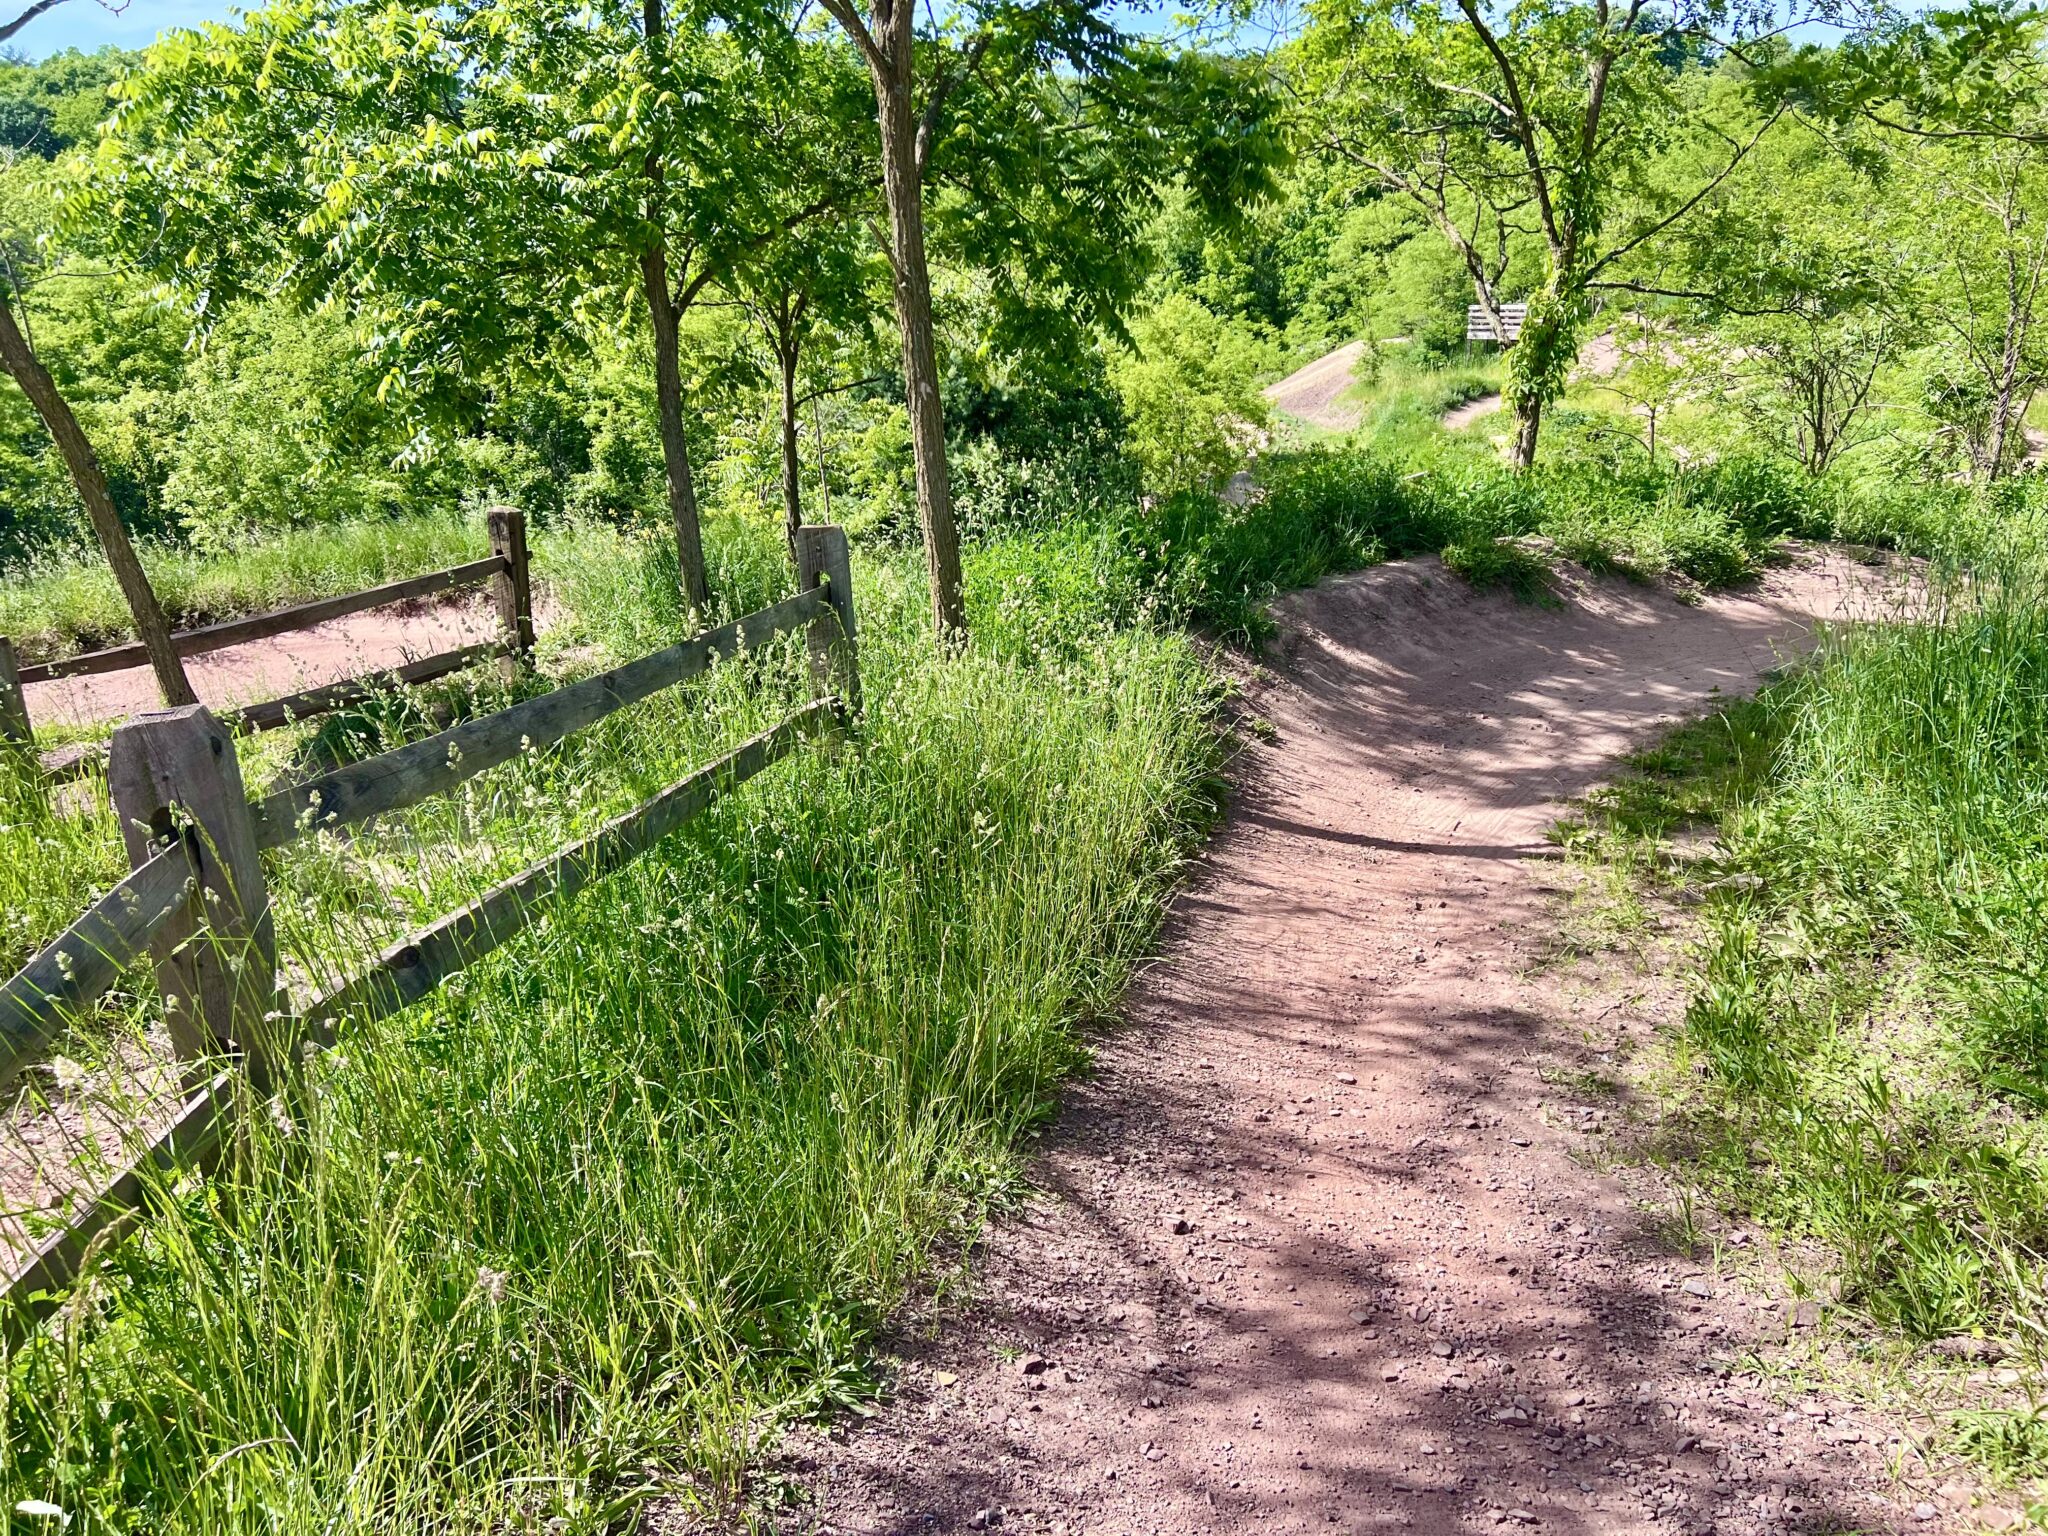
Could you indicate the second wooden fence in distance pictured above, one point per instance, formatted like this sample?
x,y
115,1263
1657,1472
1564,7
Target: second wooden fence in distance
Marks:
x,y
196,899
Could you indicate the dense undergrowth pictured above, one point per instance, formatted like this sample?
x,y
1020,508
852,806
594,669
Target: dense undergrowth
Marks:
x,y
619,1198
1864,1059
1327,510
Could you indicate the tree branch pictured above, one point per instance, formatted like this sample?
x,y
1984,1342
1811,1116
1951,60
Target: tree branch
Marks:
x,y
946,86
9,28
850,23
1698,197
1525,126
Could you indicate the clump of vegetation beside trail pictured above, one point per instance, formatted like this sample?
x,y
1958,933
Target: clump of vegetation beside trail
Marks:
x,y
588,1215
1323,510
1861,1060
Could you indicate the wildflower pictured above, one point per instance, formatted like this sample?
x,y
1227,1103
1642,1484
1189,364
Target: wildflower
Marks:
x,y
492,1283
282,1117
67,1074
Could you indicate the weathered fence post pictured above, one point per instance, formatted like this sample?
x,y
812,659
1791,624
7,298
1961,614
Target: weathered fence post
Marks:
x,y
512,587
822,558
174,774
14,724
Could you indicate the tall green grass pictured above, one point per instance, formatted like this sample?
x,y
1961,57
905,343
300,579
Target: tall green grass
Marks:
x,y
1870,1021
69,602
587,1224
58,847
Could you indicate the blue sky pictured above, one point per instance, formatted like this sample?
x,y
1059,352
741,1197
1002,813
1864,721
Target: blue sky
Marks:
x,y
87,24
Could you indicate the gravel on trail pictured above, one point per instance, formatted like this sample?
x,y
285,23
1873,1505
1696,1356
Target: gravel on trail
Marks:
x,y
1317,1247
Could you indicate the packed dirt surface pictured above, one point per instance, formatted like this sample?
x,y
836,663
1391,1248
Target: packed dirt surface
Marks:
x,y
269,669
1322,1244
1459,417
1311,393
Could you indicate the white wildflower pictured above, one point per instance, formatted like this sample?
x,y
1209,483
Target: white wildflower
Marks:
x,y
67,1074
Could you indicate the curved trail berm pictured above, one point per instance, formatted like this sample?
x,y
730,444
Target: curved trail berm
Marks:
x,y
1317,1248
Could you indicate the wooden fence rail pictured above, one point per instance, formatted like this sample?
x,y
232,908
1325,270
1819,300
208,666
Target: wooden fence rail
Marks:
x,y
77,966
196,897
505,568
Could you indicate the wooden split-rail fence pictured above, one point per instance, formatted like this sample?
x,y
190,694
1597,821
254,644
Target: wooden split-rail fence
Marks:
x,y
196,904
505,569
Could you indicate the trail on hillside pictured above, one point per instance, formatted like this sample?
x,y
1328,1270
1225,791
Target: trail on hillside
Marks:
x,y
1321,1245
1311,393
284,664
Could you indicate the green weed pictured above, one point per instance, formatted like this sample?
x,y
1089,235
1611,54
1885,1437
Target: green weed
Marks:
x,y
1868,1008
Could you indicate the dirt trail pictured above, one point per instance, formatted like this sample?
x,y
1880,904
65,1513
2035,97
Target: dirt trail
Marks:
x,y
1317,1248
269,669
1459,417
1310,393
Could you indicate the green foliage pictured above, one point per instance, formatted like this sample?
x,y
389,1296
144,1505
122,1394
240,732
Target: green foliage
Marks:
x,y
1191,394
1333,509
48,106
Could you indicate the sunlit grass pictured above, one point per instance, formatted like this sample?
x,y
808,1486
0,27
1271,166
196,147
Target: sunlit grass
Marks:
x,y
1870,1015
586,1224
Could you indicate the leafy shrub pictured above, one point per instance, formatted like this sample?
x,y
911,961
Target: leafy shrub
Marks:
x,y
1190,391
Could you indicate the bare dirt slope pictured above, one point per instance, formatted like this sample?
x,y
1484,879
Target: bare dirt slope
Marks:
x,y
269,669
1311,392
1318,1248
1459,417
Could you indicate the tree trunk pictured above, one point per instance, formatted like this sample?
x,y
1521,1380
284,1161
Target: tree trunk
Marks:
x,y
1528,423
675,443
668,372
903,189
151,628
786,353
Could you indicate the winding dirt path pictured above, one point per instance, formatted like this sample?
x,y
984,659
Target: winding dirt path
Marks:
x,y
1459,417
268,669
1318,1247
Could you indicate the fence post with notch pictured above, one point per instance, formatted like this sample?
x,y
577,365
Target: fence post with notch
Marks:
x,y
14,726
822,559
512,587
174,773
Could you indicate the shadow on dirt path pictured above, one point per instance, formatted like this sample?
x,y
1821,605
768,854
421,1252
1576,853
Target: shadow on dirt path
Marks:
x,y
1317,1248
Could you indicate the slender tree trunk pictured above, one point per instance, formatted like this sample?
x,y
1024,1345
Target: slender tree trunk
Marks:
x,y
1999,432
675,443
903,189
668,372
824,471
151,627
1528,425
786,353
